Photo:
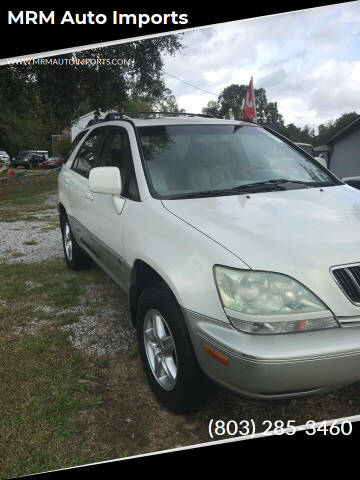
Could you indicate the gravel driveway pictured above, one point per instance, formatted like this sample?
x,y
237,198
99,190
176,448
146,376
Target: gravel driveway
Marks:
x,y
34,241
104,332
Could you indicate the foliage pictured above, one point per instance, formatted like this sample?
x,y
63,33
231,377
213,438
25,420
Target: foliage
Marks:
x,y
167,103
331,128
231,99
307,134
38,100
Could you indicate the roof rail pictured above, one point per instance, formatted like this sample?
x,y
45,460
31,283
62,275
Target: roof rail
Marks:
x,y
129,115
175,114
93,121
112,116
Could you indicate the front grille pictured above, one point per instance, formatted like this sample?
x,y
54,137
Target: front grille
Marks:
x,y
348,278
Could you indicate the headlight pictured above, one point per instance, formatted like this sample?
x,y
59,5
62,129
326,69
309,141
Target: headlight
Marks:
x,y
268,303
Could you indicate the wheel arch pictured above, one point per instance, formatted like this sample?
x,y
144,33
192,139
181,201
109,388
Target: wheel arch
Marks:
x,y
143,275
62,210
62,213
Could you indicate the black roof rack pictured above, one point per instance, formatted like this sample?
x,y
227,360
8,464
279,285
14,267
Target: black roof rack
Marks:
x,y
112,116
174,114
127,115
93,121
123,115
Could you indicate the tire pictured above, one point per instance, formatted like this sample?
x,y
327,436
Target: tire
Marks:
x,y
75,257
179,383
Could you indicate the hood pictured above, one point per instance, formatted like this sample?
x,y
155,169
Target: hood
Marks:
x,y
301,233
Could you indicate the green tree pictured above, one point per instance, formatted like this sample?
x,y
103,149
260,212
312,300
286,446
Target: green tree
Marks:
x,y
168,103
38,99
212,108
332,127
231,100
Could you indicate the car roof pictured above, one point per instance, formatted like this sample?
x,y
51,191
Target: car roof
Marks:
x,y
170,120
144,122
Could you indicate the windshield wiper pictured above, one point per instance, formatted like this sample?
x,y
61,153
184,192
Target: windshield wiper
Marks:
x,y
265,186
205,193
229,191
279,182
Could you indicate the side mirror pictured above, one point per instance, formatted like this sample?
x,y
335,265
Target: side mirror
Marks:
x,y
105,180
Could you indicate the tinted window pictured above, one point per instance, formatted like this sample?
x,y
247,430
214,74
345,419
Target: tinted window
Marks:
x,y
116,152
76,140
86,156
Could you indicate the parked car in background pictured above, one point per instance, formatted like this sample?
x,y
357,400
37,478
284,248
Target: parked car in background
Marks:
x,y
51,162
308,148
240,253
30,158
4,157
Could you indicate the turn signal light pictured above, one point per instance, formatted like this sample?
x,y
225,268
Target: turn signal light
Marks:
x,y
214,354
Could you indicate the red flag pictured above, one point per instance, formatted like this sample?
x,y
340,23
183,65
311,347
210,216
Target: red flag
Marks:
x,y
249,108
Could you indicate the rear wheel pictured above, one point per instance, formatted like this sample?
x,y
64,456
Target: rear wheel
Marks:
x,y
75,257
166,351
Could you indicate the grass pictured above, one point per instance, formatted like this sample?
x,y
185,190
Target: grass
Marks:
x,y
63,405
22,198
41,395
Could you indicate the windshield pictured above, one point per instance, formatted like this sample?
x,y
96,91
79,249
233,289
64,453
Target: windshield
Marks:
x,y
186,159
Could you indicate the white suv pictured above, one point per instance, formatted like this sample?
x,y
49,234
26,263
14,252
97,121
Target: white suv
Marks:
x,y
239,253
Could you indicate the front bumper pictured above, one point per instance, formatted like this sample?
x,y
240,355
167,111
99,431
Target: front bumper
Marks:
x,y
276,366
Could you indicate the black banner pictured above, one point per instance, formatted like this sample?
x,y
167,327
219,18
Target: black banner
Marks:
x,y
29,31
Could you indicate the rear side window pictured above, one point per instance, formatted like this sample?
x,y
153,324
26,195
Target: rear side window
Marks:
x,y
86,156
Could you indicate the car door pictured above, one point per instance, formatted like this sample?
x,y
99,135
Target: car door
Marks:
x,y
106,210
76,183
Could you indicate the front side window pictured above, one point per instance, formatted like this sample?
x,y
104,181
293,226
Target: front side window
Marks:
x,y
116,152
76,140
86,156
183,160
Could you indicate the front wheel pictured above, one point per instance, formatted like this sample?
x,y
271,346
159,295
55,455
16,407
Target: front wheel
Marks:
x,y
75,257
166,351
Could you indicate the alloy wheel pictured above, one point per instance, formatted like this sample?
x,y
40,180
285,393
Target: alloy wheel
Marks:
x,y
68,241
160,349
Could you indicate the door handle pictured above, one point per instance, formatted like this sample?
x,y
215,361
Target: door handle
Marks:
x,y
89,196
